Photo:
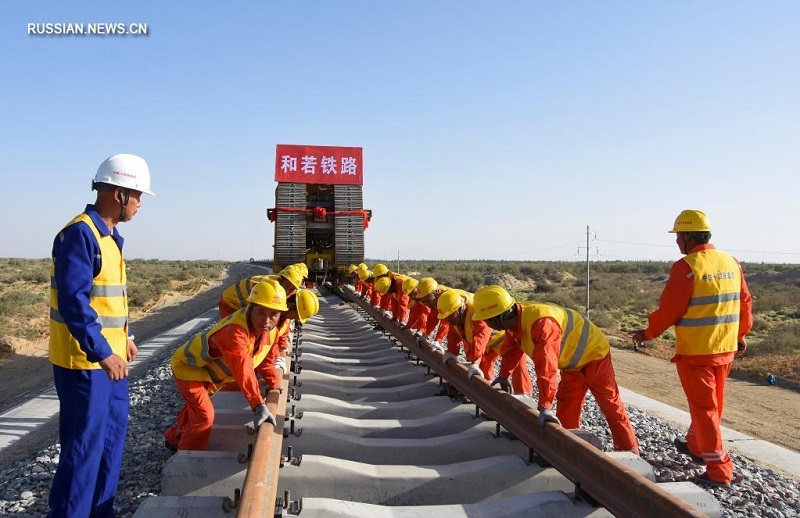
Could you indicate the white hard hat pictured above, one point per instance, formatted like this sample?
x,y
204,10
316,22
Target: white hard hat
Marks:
x,y
124,170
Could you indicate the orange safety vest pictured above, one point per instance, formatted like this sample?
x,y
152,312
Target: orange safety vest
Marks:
x,y
109,299
192,360
582,342
711,322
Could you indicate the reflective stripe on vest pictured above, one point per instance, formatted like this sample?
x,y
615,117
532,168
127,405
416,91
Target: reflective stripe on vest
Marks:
x,y
235,296
496,339
108,298
581,342
711,322
192,360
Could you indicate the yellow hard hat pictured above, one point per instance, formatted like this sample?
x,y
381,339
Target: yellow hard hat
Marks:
x,y
491,301
382,285
448,303
362,266
302,268
307,305
363,275
380,269
269,294
293,274
409,284
691,220
351,269
426,286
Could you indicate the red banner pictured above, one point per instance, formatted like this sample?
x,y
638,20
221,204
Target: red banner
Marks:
x,y
319,164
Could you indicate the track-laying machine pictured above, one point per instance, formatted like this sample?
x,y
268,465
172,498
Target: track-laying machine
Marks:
x,y
319,212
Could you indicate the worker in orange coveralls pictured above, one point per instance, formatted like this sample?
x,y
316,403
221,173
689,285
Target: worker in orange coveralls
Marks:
x,y
302,305
374,296
380,270
559,338
393,299
352,274
482,344
366,287
357,274
227,352
418,312
707,300
234,297
428,292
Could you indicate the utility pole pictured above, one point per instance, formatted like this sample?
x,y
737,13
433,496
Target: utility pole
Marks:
x,y
398,262
587,271
588,277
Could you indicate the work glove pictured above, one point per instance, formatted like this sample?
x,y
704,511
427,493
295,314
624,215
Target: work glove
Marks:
x,y
436,346
262,415
401,325
474,370
280,363
741,349
638,337
448,356
387,314
546,416
504,384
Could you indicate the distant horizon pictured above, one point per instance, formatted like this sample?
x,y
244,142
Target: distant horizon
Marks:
x,y
389,262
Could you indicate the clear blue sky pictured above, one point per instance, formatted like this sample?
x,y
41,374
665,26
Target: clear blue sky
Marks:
x,y
490,129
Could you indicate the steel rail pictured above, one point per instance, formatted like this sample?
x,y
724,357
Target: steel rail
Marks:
x,y
260,488
613,485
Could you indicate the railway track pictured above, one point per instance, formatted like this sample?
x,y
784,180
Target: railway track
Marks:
x,y
370,423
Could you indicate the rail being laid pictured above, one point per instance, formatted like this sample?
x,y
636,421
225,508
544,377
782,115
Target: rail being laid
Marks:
x,y
616,487
367,451
260,488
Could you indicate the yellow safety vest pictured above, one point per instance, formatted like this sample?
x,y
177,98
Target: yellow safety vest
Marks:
x,y
581,341
398,294
283,327
495,338
192,360
711,322
235,295
109,299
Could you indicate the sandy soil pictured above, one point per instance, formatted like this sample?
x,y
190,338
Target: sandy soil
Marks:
x,y
763,411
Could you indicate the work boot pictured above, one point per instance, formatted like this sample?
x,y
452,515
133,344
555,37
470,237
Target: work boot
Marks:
x,y
683,447
171,447
704,479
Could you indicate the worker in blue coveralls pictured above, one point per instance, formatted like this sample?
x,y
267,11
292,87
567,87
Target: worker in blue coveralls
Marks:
x,y
90,341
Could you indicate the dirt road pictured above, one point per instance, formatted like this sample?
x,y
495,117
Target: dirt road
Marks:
x,y
762,411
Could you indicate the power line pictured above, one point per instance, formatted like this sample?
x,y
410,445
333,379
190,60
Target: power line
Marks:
x,y
532,251
637,244
673,246
761,252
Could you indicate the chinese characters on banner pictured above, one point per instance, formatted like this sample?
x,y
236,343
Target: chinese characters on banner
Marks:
x,y
319,164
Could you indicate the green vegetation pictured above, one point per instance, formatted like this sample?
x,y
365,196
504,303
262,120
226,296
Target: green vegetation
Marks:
x,y
24,290
622,294
150,279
